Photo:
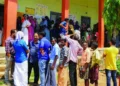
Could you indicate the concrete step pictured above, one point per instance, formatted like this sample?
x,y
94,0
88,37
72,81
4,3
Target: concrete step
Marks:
x,y
2,61
2,68
2,55
2,74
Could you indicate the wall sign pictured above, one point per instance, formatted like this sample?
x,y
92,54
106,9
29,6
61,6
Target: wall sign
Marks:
x,y
41,10
30,11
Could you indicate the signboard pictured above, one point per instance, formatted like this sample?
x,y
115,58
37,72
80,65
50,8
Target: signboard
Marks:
x,y
41,10
30,11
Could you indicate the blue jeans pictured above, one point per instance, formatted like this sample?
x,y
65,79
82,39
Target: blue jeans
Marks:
x,y
42,69
51,76
109,74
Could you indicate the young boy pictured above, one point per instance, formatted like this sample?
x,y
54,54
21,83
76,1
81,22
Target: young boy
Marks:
x,y
63,65
85,63
94,68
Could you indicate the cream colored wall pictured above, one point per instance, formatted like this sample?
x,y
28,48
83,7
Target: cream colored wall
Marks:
x,y
77,7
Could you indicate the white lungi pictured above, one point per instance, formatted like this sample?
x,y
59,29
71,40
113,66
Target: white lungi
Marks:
x,y
21,74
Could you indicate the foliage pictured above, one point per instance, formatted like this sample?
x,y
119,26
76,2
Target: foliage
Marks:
x,y
112,14
118,67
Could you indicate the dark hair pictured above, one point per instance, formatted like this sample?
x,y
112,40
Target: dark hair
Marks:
x,y
63,40
47,18
66,19
54,39
113,41
85,42
95,45
71,22
42,33
12,31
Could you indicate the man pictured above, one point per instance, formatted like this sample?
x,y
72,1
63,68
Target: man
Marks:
x,y
74,50
44,27
44,50
52,67
33,59
9,55
25,26
63,65
110,55
64,27
85,63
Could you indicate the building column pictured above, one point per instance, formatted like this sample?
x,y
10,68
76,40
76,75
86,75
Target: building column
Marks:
x,y
65,9
10,16
101,24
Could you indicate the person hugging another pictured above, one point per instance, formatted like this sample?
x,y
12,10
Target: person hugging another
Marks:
x,y
64,27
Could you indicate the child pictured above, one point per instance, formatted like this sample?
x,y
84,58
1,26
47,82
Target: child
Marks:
x,y
94,68
85,62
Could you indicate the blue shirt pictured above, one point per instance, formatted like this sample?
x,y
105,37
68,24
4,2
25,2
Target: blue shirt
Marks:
x,y
46,46
34,49
55,52
63,30
20,48
44,23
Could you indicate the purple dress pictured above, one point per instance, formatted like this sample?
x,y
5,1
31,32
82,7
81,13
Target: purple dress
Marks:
x,y
31,30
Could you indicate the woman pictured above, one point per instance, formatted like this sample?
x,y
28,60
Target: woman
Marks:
x,y
25,26
94,68
21,64
77,27
31,28
71,27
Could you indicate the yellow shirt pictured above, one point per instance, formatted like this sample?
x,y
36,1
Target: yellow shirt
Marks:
x,y
95,58
110,59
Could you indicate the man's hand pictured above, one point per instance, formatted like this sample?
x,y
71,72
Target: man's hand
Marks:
x,y
27,26
52,67
66,28
84,70
8,55
42,52
61,66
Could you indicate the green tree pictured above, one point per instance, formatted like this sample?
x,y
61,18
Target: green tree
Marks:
x,y
112,14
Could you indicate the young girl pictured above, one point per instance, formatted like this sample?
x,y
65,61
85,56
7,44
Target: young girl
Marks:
x,y
95,61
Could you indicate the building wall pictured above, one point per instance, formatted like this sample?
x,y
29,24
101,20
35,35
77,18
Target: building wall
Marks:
x,y
78,8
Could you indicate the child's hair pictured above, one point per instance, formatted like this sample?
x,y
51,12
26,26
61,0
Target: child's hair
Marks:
x,y
95,45
113,41
63,40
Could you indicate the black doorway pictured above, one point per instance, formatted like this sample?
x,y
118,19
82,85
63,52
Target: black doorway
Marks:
x,y
54,15
1,22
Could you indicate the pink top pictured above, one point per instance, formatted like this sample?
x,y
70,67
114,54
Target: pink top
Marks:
x,y
74,49
85,58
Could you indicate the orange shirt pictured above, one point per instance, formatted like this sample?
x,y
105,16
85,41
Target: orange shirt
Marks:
x,y
85,58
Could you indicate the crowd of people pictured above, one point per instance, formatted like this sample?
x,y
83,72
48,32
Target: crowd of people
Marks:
x,y
53,28
51,51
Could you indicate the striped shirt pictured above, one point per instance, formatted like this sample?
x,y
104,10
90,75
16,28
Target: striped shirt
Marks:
x,y
9,45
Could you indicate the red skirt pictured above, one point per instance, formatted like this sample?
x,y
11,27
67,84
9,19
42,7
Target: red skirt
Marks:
x,y
94,74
